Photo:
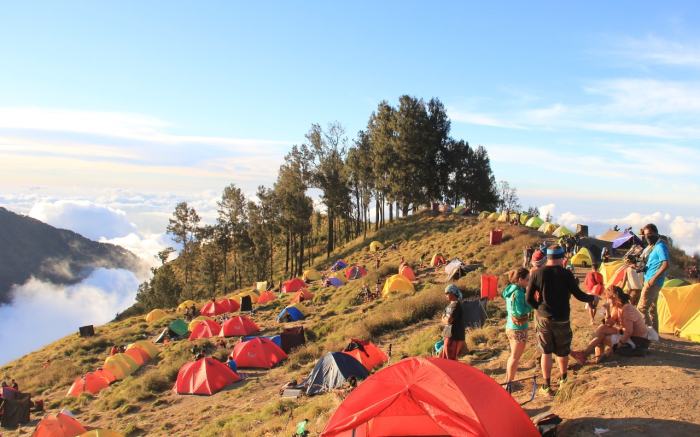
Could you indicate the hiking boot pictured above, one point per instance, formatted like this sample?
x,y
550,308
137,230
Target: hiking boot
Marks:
x,y
546,390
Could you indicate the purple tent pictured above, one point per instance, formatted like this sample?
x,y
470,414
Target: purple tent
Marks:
x,y
334,282
626,240
339,265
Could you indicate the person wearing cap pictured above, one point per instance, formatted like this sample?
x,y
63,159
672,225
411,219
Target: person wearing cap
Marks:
x,y
452,319
549,292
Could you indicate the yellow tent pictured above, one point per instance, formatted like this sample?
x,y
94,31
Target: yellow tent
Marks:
x,y
252,293
196,320
155,315
562,231
524,218
547,228
503,218
261,286
483,215
493,216
148,346
120,365
186,304
611,271
397,283
676,306
534,222
582,258
101,433
312,275
375,246
691,330
514,216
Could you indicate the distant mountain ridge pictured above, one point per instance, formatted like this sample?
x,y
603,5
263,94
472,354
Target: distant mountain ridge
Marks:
x,y
31,248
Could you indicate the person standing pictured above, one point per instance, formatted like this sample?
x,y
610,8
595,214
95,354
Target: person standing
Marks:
x,y
549,292
633,280
517,320
656,266
453,321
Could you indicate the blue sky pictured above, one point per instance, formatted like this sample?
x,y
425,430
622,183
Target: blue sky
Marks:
x,y
590,109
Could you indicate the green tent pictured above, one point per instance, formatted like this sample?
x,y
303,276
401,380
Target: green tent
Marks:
x,y
534,222
179,327
562,231
675,283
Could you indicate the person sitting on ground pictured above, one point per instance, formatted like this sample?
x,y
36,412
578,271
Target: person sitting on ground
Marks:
x,y
517,320
114,350
452,319
301,430
594,285
625,328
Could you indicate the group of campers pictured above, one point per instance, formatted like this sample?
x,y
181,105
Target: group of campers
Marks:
x,y
629,320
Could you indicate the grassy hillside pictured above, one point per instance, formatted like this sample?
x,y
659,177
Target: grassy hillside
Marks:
x,y
143,404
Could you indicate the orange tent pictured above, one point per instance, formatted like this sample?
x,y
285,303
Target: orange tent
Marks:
x,y
265,297
367,353
204,377
293,285
302,295
407,272
205,329
91,383
60,425
238,326
106,374
429,397
259,352
139,355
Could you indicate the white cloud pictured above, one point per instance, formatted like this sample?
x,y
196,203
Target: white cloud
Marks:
x,y
43,312
659,51
91,220
469,117
145,246
547,209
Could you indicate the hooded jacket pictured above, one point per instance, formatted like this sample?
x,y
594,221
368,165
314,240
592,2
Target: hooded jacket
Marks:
x,y
516,305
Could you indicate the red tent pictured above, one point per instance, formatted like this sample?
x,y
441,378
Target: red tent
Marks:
x,y
302,295
60,425
221,306
205,329
238,326
367,353
355,272
258,353
429,397
293,285
407,272
91,383
106,374
139,355
204,377
265,297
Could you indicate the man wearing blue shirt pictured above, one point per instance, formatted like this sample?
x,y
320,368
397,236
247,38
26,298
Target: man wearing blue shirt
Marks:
x,y
656,267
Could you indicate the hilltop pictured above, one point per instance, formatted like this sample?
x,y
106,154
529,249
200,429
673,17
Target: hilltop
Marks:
x,y
616,395
31,248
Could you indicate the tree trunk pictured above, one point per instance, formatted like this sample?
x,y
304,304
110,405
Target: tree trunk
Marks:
x,y
331,236
286,256
376,212
301,255
224,281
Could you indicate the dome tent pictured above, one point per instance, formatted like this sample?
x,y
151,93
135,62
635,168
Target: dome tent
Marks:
x,y
397,283
331,371
204,377
155,315
258,353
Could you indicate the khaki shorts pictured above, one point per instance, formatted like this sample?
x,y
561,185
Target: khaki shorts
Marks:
x,y
554,337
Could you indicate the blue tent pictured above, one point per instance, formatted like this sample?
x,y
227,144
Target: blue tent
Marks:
x,y
274,338
626,240
339,265
291,314
335,282
331,371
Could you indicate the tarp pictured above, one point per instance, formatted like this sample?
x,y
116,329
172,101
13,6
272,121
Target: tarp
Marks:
x,y
194,322
218,307
676,306
396,284
375,246
562,231
452,267
534,222
290,314
179,327
626,240
582,258
407,272
205,329
204,377
238,326
155,315
302,295
355,272
293,285
610,235
186,304
429,397
266,297
311,275
89,383
331,371
339,265
258,353
60,425
367,353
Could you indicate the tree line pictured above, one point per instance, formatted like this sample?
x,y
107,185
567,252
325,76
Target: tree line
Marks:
x,y
404,159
